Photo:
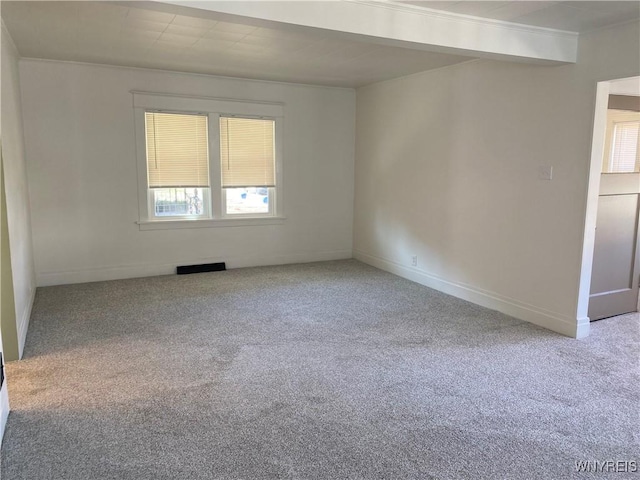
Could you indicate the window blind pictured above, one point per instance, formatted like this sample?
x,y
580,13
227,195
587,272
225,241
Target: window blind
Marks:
x,y
177,150
624,154
247,157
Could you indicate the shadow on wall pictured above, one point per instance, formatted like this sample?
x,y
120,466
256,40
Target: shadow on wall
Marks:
x,y
8,327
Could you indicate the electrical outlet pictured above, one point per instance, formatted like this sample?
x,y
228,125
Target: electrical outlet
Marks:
x,y
414,261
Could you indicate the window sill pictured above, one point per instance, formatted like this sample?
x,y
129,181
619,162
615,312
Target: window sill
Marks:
x,y
210,223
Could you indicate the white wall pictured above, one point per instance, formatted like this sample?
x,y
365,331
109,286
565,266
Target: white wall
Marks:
x,y
82,175
447,166
18,215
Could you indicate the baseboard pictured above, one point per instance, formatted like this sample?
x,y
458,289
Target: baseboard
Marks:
x,y
583,327
45,279
23,326
553,321
4,408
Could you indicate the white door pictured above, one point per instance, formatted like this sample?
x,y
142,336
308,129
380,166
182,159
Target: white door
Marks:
x,y
616,259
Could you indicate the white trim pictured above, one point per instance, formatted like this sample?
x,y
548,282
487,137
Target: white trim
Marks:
x,y
23,325
236,221
393,25
583,327
189,103
4,408
461,17
141,162
598,141
215,175
149,270
278,192
529,313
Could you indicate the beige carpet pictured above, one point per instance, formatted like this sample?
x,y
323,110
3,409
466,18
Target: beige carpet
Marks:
x,y
327,370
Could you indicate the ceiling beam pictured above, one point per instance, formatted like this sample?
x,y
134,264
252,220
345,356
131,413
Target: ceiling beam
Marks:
x,y
402,25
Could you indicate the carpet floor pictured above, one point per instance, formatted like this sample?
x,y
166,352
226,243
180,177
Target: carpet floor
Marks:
x,y
326,370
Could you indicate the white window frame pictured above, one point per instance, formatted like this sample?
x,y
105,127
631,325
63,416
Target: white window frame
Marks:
x,y
215,206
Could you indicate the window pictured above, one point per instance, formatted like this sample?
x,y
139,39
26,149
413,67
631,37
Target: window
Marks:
x,y
622,142
214,161
624,151
177,151
247,164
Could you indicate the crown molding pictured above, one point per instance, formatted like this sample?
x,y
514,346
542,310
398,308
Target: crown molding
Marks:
x,y
460,17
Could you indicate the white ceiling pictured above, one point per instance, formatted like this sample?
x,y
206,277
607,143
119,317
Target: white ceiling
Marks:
x,y
111,34
130,34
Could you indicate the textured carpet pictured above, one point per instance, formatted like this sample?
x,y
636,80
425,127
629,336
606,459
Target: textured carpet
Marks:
x,y
328,370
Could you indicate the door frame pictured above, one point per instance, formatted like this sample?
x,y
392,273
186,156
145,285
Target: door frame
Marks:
x,y
593,190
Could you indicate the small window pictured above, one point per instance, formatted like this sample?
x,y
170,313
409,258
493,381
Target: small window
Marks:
x,y
622,142
243,201
624,151
177,202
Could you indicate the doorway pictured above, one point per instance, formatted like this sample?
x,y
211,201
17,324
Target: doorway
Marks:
x,y
611,255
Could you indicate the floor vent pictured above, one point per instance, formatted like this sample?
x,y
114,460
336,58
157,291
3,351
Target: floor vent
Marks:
x,y
205,267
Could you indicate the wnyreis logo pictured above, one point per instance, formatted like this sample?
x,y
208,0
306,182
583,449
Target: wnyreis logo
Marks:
x,y
607,466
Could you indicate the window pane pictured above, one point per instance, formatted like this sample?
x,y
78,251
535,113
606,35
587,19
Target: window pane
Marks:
x,y
624,154
177,150
247,155
172,202
247,200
